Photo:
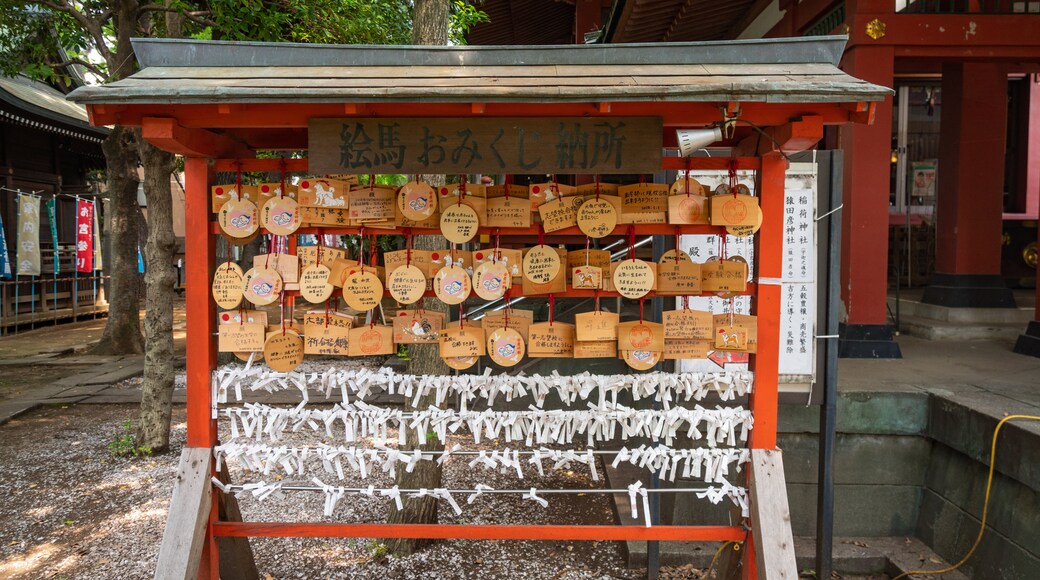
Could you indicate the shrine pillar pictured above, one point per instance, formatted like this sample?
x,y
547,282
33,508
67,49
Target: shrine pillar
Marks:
x,y
864,253
970,193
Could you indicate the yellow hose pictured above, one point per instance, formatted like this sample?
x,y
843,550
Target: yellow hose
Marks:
x,y
985,501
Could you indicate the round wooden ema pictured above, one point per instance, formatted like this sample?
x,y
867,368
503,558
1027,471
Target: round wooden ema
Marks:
x,y
633,278
281,216
452,285
597,217
459,223
541,264
722,189
461,363
669,256
690,209
679,187
744,231
262,286
417,201
244,356
283,350
491,280
238,218
228,285
742,189
362,289
407,284
506,346
640,336
315,286
642,360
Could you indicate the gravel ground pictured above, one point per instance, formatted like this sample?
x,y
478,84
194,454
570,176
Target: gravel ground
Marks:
x,y
73,511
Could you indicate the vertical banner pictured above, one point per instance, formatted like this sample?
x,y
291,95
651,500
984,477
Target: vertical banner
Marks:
x,y
97,239
28,235
5,261
84,236
52,213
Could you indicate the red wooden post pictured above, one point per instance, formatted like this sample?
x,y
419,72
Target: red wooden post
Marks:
x,y
769,253
200,250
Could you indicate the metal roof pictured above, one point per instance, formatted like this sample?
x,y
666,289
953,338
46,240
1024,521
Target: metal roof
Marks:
x,y
772,70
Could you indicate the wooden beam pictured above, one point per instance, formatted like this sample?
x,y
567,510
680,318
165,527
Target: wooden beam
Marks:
x,y
771,517
795,136
168,135
181,550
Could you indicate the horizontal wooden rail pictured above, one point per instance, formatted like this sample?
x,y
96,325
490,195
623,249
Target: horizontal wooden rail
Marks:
x,y
578,293
621,230
475,532
301,165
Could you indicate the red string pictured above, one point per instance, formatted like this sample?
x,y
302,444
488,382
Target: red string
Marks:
x,y
508,179
462,187
238,180
552,308
541,234
641,299
733,176
373,255
597,187
632,242
408,246
686,302
281,192
281,310
321,241
462,316
509,308
241,314
498,241
687,177
595,293
326,314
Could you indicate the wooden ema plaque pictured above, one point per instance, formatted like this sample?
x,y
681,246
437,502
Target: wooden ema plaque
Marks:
x,y
269,191
558,214
491,280
644,198
308,255
587,277
459,223
452,285
724,276
511,259
314,284
509,212
640,335
686,348
325,193
462,341
597,258
551,340
557,285
519,320
262,286
240,337
506,346
678,278
325,216
417,201
371,203
228,285
641,360
287,266
340,269
283,350
370,340
744,231
596,326
746,321
239,219
595,349
418,326
633,278
688,324
221,194
362,289
280,215
326,335
733,210
597,217
541,264
406,284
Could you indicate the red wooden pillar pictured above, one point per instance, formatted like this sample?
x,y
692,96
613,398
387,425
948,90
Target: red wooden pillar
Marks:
x,y
864,252
970,207
200,253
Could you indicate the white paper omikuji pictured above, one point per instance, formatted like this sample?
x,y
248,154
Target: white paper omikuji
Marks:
x,y
665,388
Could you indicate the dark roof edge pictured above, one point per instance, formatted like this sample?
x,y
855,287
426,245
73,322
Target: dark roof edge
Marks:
x,y
53,116
178,52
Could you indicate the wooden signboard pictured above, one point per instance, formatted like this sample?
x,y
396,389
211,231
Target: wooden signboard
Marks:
x,y
475,145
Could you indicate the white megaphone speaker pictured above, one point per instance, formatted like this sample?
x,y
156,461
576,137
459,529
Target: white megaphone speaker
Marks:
x,y
693,140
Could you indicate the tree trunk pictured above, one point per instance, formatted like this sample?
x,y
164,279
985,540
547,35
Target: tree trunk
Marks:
x,y
122,333
430,22
153,428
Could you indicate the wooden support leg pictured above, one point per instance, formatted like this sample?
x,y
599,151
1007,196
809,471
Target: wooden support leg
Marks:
x,y
771,517
185,534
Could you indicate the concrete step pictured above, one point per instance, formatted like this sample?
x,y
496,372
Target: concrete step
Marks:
x,y
936,329
916,308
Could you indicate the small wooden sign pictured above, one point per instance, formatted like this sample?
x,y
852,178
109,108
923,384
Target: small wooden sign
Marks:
x,y
371,203
671,256
228,285
421,259
418,326
510,258
686,348
262,286
462,341
731,337
452,285
687,209
325,216
724,276
406,284
587,277
308,255
362,289
521,191
558,214
314,283
326,334
747,230
506,346
596,326
287,265
644,198
680,278
272,190
246,337
519,320
592,189
733,210
238,218
551,340
417,201
748,322
328,193
280,215
598,258
541,264
370,340
459,223
633,278
221,194
640,335
597,217
339,269
509,212
491,280
501,145
283,350
688,324
595,349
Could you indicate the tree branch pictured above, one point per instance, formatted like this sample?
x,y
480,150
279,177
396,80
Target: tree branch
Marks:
x,y
79,61
93,27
